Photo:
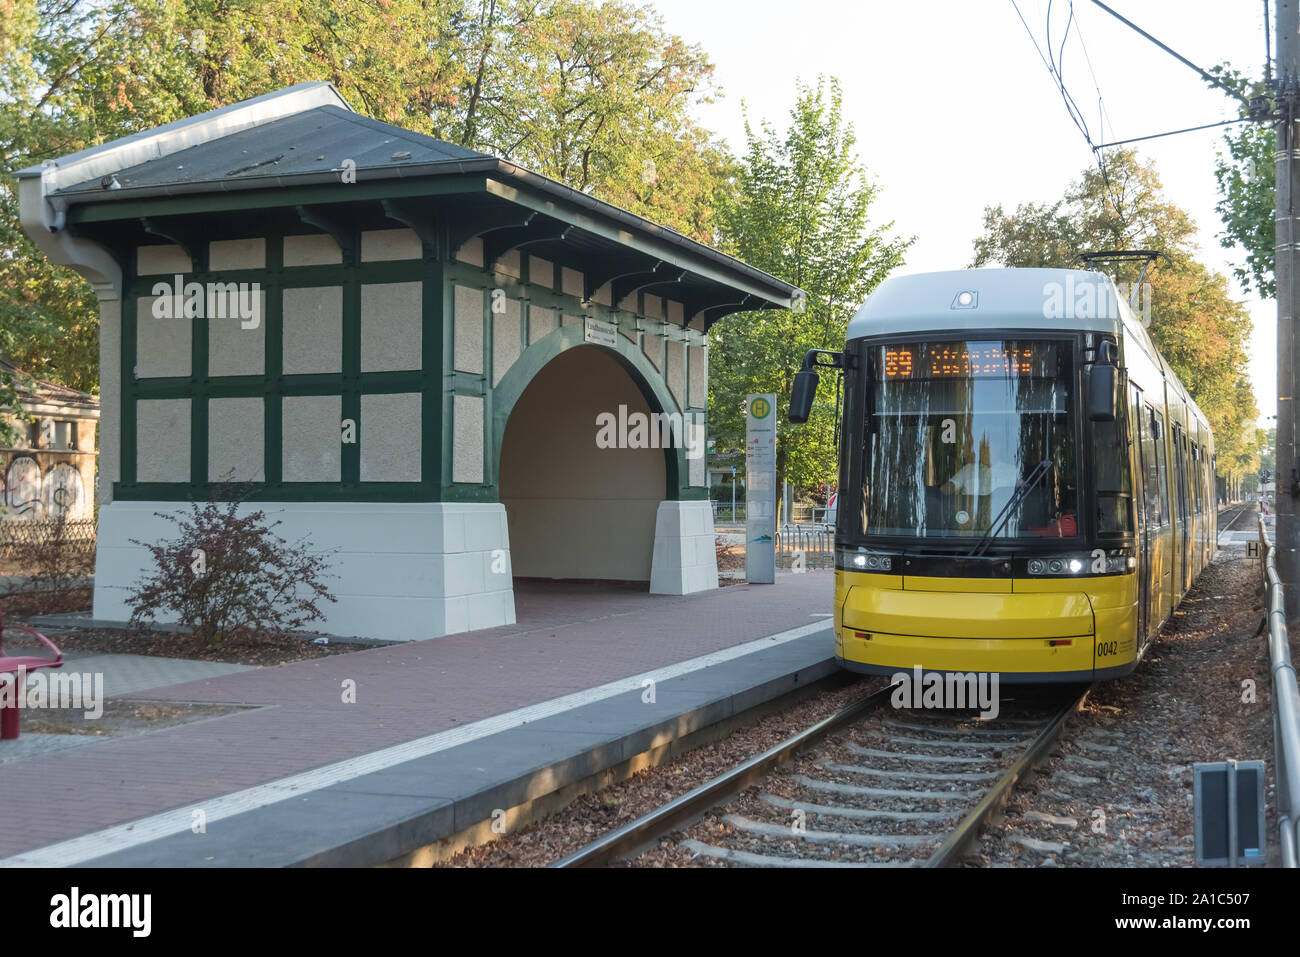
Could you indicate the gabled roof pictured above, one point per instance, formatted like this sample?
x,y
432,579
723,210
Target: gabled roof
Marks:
x,y
304,135
314,141
95,162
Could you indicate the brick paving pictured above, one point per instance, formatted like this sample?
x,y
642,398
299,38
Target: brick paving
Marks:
x,y
569,637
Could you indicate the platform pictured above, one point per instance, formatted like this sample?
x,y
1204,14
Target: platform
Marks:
x,y
442,732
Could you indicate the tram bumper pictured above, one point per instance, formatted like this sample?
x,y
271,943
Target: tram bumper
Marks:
x,y
1024,636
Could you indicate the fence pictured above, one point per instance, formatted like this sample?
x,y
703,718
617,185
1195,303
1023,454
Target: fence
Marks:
x,y
31,546
1286,706
813,544
722,511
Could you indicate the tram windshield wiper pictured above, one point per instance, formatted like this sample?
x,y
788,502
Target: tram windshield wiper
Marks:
x,y
1012,505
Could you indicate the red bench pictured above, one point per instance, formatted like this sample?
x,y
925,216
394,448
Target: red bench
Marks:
x,y
17,667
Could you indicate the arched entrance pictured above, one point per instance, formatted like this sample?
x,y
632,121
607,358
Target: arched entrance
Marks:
x,y
576,510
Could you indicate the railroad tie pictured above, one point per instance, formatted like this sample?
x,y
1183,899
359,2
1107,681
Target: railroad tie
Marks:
x,y
856,813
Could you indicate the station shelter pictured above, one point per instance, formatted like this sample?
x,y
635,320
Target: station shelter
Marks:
x,y
403,347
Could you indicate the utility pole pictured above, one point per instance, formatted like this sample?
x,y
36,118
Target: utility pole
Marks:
x,y
1287,261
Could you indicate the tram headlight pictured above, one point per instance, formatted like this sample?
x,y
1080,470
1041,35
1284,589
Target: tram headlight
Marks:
x,y
1115,562
864,561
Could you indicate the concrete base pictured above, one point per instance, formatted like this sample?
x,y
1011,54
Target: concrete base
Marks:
x,y
403,571
685,556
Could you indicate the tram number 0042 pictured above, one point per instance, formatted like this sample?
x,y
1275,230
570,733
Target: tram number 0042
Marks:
x,y
1105,648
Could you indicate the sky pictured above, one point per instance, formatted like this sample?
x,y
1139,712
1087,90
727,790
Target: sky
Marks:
x,y
954,110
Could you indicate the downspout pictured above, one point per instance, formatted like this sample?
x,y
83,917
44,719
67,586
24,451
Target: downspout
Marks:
x,y
44,218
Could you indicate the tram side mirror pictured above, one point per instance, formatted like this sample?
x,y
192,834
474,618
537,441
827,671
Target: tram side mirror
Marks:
x,y
801,396
1103,385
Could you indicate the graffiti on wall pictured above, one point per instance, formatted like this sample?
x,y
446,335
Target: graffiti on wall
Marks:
x,y
28,494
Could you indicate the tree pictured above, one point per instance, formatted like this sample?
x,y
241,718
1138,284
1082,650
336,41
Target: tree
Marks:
x,y
596,95
798,207
1197,326
1247,194
62,91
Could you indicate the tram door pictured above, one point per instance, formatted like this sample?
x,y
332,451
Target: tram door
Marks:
x,y
1183,539
1160,519
1137,434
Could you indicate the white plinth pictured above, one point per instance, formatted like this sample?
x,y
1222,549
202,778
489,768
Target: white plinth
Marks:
x,y
404,571
685,557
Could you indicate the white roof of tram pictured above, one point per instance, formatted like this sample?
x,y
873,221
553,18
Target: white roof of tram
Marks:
x,y
1065,299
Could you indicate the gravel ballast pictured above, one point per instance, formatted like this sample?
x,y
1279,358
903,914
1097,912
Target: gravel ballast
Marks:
x,y
1116,791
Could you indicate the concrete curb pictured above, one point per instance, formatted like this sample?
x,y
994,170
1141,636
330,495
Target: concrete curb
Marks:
x,y
381,816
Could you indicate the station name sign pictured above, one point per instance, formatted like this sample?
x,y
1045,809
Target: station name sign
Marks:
x,y
600,332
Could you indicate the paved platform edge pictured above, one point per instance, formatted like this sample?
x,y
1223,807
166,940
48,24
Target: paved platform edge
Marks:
x,y
378,817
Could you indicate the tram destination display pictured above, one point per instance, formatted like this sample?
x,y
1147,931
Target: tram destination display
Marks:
x,y
969,360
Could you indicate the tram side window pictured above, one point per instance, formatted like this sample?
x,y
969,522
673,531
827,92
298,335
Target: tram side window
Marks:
x,y
1162,464
1198,477
1210,506
1150,471
1180,471
1114,483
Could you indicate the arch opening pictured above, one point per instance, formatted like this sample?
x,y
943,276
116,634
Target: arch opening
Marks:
x,y
576,511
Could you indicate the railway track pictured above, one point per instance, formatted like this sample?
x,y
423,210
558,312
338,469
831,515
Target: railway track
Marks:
x,y
869,786
1237,515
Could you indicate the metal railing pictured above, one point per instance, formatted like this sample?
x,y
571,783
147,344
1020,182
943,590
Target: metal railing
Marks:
x,y
1286,706
722,511
814,545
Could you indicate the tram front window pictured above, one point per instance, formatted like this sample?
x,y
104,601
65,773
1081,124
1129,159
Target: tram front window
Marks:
x,y
956,436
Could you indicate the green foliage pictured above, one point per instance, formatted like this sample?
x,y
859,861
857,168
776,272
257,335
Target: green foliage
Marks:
x,y
61,92
1247,192
11,412
596,95
799,208
1197,326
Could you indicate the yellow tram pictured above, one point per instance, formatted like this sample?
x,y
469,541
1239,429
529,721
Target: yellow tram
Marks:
x,y
1025,486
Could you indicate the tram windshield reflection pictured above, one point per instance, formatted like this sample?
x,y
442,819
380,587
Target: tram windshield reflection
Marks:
x,y
955,428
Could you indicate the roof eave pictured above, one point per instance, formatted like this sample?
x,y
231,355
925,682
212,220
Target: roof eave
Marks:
x,y
777,292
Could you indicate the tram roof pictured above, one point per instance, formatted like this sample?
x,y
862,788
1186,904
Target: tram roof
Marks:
x,y
1073,300
959,299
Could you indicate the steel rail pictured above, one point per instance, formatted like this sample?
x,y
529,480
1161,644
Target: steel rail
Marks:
x,y
968,829
695,802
